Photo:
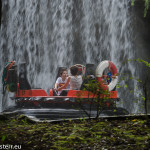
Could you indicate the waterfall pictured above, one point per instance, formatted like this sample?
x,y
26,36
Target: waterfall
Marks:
x,y
50,33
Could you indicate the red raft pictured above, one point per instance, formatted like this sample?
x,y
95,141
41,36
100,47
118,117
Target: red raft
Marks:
x,y
25,96
38,97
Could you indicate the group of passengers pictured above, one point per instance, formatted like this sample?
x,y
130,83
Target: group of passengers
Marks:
x,y
72,82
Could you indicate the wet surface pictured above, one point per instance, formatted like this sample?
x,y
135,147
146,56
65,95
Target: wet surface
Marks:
x,y
65,113
53,113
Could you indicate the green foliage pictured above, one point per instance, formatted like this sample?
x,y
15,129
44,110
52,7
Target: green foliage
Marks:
x,y
146,4
82,118
147,64
143,85
3,138
146,7
97,97
125,133
132,2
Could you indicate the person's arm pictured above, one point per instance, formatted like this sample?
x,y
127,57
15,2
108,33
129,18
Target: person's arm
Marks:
x,y
56,85
65,85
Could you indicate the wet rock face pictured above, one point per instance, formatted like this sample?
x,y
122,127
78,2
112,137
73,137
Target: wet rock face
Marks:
x,y
139,12
139,9
0,10
142,29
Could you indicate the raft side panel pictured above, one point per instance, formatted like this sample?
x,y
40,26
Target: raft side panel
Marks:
x,y
71,94
31,93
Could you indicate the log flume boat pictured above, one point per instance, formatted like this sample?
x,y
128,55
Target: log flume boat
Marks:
x,y
25,96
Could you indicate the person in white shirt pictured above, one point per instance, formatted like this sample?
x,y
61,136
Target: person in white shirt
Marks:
x,y
75,80
61,80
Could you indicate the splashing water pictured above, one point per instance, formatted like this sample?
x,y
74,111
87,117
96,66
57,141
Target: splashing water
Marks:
x,y
47,34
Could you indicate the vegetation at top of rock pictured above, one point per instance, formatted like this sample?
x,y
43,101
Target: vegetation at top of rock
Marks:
x,y
127,133
146,4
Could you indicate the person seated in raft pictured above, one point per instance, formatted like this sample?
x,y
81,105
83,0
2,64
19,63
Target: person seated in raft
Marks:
x,y
87,81
61,81
75,80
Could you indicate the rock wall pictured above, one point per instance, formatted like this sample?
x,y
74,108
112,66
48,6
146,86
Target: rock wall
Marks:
x,y
142,27
0,10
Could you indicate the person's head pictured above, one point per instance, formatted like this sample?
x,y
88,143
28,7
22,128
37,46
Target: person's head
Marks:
x,y
74,70
63,73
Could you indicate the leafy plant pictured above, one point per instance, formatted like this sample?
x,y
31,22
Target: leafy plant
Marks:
x,y
3,138
97,97
143,84
146,7
146,4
